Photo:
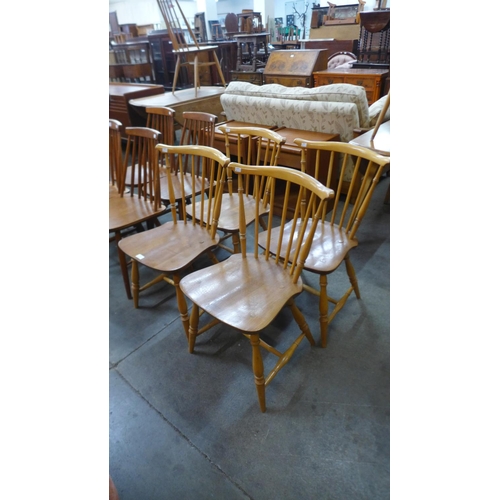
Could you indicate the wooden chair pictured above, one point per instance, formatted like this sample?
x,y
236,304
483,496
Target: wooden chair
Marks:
x,y
335,234
187,54
115,157
172,247
163,120
198,129
142,202
252,146
249,289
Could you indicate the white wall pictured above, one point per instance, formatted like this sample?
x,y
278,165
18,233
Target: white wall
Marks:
x,y
147,11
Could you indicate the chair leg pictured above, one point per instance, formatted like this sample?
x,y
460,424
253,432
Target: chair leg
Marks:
x,y
323,309
301,321
193,326
196,76
258,371
135,283
352,275
236,242
182,305
219,69
123,265
176,72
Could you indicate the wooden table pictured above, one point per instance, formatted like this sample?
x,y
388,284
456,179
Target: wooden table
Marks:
x,y
207,100
381,142
373,80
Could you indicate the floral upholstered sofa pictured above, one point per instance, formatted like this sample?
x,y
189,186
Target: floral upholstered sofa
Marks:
x,y
337,108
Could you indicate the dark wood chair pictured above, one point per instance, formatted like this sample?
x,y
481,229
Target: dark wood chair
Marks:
x,y
115,157
249,289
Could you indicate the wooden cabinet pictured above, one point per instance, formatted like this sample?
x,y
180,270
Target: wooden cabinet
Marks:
x,y
119,96
294,68
164,60
373,80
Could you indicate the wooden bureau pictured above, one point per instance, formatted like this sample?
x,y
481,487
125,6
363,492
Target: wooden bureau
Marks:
x,y
295,68
373,80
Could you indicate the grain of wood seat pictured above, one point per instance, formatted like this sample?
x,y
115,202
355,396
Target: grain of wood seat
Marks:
x,y
187,54
249,289
335,235
172,247
142,202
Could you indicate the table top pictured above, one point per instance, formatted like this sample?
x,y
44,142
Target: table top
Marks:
x,y
381,142
169,99
121,88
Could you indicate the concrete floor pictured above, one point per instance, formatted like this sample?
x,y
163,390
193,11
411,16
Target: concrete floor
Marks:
x,y
188,426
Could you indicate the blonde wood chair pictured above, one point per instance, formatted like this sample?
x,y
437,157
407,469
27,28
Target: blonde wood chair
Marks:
x,y
141,203
187,54
172,247
249,289
198,129
335,235
252,146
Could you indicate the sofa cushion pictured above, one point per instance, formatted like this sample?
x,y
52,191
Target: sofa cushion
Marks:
x,y
375,110
335,92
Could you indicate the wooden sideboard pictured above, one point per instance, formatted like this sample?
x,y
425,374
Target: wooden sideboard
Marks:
x,y
373,80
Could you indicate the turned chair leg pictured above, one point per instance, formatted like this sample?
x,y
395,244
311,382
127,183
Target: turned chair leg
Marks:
x,y
193,326
352,275
323,309
182,305
258,371
123,265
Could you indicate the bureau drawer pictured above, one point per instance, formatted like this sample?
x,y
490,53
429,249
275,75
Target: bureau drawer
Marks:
x,y
289,81
367,83
246,76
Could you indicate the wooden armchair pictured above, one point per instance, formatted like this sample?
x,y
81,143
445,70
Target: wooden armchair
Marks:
x,y
187,54
248,290
335,233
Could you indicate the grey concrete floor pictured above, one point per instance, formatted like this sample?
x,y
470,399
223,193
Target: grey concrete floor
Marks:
x,y
188,426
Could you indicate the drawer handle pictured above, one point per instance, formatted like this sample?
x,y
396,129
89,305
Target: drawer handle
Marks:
x,y
360,82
